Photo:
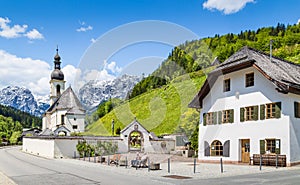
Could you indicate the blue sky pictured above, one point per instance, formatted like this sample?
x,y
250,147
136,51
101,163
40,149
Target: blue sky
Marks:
x,y
31,29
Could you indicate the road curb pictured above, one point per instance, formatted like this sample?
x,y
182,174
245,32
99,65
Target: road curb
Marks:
x,y
5,180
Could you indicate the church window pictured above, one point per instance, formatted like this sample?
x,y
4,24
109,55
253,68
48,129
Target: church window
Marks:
x,y
58,90
62,119
75,127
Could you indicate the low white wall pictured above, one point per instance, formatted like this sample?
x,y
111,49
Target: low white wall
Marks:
x,y
64,147
42,147
161,146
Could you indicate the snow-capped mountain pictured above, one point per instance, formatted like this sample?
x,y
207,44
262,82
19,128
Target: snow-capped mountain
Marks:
x,y
95,92
90,95
22,99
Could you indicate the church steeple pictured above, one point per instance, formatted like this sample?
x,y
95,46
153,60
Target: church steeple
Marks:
x,y
57,60
57,73
57,82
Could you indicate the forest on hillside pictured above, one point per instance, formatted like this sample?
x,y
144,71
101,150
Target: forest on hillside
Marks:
x,y
26,120
12,122
198,54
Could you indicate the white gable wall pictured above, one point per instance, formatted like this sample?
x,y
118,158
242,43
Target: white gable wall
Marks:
x,y
55,120
239,96
75,119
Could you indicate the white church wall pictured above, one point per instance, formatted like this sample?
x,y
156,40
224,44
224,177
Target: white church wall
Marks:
x,y
78,120
56,119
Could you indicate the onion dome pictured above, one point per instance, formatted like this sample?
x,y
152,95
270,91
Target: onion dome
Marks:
x,y
57,73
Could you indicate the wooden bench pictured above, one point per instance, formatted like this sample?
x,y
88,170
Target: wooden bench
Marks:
x,y
269,160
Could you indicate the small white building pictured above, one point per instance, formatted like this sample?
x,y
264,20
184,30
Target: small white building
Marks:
x,y
65,114
250,105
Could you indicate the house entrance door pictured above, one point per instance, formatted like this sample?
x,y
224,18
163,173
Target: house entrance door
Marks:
x,y
245,150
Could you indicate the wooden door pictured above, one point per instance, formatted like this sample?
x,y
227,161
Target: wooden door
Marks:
x,y
245,150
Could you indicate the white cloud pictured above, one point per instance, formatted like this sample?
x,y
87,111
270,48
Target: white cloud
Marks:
x,y
113,67
34,34
16,31
84,29
93,40
24,72
35,74
298,22
226,6
30,73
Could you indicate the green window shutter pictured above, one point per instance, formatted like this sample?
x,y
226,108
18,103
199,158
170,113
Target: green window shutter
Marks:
x,y
296,109
262,112
278,110
277,146
204,119
231,116
255,115
220,117
262,145
242,114
215,118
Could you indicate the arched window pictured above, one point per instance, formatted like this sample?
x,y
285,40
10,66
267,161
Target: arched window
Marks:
x,y
58,90
216,148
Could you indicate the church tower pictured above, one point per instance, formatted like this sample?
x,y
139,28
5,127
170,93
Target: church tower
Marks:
x,y
57,83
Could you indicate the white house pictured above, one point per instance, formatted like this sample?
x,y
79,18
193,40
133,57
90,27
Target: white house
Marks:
x,y
65,114
250,105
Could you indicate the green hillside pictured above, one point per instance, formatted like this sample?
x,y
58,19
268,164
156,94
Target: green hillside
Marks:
x,y
162,110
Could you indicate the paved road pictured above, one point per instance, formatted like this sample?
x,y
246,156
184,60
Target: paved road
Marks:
x,y
27,169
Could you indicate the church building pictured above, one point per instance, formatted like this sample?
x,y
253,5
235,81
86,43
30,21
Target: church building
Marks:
x,y
65,114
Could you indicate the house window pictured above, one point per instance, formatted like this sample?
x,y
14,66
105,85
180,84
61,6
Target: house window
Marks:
x,y
226,85
216,148
226,116
209,118
75,127
62,119
297,109
249,113
270,110
270,145
249,80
